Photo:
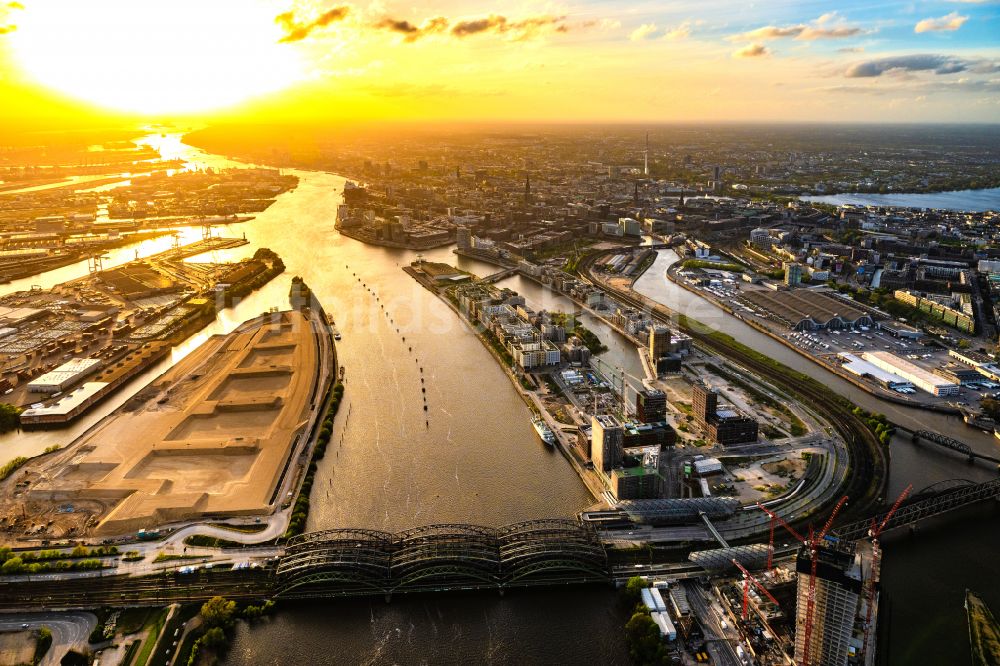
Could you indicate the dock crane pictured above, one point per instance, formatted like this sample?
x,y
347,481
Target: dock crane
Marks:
x,y
812,543
873,534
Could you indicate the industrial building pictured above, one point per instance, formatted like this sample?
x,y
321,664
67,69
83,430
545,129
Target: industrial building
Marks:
x,y
862,368
64,376
807,309
921,378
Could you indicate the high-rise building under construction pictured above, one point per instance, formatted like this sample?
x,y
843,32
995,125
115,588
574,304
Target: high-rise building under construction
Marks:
x,y
836,634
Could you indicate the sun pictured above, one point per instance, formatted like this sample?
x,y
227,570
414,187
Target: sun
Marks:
x,y
155,56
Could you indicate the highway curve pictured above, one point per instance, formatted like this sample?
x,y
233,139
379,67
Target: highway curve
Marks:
x,y
867,474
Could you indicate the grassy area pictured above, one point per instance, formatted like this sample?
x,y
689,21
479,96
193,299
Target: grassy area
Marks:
x,y
155,627
300,511
169,557
713,265
180,618
11,467
202,541
133,619
243,529
130,651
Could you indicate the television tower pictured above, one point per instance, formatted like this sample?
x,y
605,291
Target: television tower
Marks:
x,y
645,157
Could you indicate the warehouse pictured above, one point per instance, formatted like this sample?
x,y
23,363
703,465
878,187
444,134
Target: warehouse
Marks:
x,y
921,378
64,376
808,310
862,368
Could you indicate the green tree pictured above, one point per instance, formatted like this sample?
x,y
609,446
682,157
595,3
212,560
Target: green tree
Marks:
x,y
12,566
644,643
218,612
10,417
634,587
214,638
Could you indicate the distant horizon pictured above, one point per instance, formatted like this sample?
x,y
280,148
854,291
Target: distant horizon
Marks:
x,y
586,61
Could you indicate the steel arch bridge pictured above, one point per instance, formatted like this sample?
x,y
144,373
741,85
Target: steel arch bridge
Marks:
x,y
353,562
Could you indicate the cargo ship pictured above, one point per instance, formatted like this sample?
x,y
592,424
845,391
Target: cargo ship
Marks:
x,y
543,431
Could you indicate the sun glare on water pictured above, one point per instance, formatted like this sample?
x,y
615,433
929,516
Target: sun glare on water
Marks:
x,y
155,56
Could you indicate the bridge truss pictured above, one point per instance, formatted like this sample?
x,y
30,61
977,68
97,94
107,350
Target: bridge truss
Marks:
x,y
351,562
953,497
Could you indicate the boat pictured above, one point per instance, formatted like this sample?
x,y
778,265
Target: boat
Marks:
x,y
543,431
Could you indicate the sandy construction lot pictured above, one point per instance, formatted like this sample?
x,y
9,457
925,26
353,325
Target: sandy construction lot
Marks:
x,y
211,436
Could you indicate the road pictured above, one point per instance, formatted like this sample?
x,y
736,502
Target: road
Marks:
x,y
68,630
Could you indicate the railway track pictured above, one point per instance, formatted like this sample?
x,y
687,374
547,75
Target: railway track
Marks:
x,y
866,453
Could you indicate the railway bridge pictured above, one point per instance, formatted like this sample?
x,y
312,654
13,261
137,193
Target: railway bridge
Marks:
x,y
950,443
355,562
932,501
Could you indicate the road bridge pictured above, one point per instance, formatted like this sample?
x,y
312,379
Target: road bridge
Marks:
x,y
499,275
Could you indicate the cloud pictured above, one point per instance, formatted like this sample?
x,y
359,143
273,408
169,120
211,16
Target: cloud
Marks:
x,y
920,62
754,50
7,29
644,31
947,23
518,30
821,28
15,5
851,49
410,31
682,31
296,31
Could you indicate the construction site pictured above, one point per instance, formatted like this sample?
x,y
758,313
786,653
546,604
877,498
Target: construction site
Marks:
x,y
213,436
64,348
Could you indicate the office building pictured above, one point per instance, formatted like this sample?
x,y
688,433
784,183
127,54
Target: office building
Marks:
x,y
659,343
639,482
651,406
761,238
606,443
723,426
793,274
705,402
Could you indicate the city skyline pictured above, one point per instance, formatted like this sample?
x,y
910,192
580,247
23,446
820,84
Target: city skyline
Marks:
x,y
592,61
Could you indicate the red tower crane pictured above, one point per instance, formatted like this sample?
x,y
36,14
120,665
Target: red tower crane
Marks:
x,y
747,579
812,543
874,533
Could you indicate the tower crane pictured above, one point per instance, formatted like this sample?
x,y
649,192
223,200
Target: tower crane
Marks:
x,y
874,533
812,543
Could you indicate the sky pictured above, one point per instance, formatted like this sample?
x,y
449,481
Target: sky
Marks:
x,y
577,61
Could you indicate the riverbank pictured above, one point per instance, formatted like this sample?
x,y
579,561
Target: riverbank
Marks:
x,y
361,235
530,398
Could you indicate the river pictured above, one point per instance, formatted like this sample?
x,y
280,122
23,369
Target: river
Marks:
x,y
961,200
473,456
